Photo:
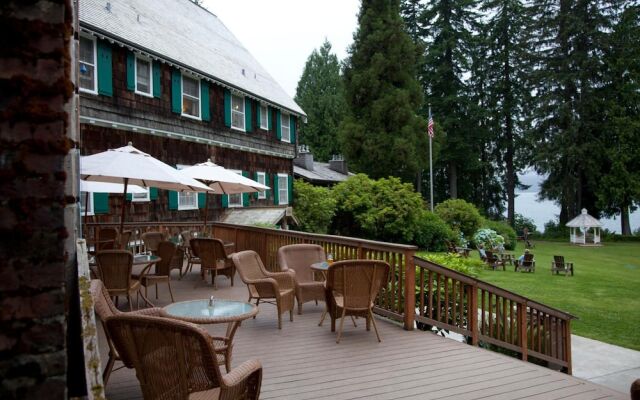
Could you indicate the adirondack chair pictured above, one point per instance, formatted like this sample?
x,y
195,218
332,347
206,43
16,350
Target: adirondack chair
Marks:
x,y
494,261
559,265
527,264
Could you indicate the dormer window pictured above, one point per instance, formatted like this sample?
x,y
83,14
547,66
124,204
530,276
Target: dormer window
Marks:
x,y
237,112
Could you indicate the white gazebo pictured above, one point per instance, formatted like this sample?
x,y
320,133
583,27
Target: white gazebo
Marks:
x,y
581,227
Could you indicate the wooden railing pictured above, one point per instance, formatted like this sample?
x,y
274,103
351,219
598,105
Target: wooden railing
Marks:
x,y
488,315
395,301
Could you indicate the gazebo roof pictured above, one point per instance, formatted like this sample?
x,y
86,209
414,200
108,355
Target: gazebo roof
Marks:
x,y
584,220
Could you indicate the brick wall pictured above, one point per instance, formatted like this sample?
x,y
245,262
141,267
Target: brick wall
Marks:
x,y
36,225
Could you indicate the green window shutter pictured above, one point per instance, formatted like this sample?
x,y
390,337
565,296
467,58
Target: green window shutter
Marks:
x,y
225,201
176,92
202,198
227,108
292,125
247,115
157,79
173,200
105,72
205,110
290,181
269,111
101,203
131,71
129,197
276,196
245,196
153,193
258,116
278,126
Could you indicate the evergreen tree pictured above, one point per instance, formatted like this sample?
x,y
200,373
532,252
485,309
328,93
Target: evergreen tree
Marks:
x,y
449,26
382,133
320,93
507,77
619,187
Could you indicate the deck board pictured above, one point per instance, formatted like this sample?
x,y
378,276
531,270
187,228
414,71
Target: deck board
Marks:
x,y
303,361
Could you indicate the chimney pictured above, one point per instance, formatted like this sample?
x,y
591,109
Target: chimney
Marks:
x,y
304,159
338,164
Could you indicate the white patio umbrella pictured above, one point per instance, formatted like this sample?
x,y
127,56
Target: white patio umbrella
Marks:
x,y
221,180
128,165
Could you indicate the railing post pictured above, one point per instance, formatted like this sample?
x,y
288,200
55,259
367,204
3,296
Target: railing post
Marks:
x,y
473,313
522,329
567,345
409,290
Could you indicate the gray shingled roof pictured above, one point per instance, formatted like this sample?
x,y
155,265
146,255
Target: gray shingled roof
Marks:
x,y
255,215
188,35
584,220
321,172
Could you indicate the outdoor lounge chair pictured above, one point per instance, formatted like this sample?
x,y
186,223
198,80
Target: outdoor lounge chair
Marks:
x,y
298,258
352,288
104,309
559,265
151,241
114,269
494,261
278,287
176,360
213,258
527,264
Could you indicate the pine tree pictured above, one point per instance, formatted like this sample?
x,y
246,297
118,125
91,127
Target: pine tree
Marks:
x,y
382,133
320,93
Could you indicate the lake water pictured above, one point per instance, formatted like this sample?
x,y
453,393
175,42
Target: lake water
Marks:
x,y
542,211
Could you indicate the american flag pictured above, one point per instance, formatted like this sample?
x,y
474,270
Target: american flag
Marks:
x,y
430,126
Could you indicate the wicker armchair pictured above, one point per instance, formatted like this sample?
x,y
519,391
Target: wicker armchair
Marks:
x,y
114,269
106,240
166,251
560,265
177,262
352,288
262,284
190,252
213,258
104,309
298,258
151,240
176,360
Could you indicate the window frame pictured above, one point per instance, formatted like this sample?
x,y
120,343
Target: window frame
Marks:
x,y
235,205
90,211
264,115
135,75
243,119
287,125
283,178
262,195
182,94
95,65
182,207
141,199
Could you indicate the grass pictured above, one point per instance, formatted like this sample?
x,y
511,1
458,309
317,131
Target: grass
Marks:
x,y
603,294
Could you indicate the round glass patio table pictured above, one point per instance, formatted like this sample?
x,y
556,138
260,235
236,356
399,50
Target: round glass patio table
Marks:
x,y
200,312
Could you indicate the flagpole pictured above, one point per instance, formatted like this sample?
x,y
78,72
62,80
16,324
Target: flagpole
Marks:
x,y
430,164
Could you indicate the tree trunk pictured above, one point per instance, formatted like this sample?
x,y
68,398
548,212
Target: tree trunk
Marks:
x,y
624,221
419,181
453,181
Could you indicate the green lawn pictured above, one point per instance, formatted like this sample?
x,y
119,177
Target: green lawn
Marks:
x,y
604,293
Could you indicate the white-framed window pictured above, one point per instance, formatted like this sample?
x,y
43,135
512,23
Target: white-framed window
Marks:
x,y
144,77
237,112
235,200
262,178
285,127
86,203
88,61
190,97
140,197
283,189
264,122
187,200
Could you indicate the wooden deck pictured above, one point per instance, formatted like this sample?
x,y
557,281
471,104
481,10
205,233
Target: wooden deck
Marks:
x,y
303,361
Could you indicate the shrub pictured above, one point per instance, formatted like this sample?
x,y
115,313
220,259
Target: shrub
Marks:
x,y
467,266
488,238
460,215
314,207
353,197
503,229
521,222
431,232
555,230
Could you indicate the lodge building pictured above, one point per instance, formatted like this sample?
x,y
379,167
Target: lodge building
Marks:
x,y
168,76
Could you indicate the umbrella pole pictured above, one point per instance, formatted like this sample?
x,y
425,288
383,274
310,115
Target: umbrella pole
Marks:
x,y
124,203
206,209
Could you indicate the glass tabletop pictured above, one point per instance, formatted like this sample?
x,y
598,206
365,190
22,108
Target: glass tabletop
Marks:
x,y
200,309
142,258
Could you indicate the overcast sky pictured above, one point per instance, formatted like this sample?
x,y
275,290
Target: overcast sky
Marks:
x,y
281,34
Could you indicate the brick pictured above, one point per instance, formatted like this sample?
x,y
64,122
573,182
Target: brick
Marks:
x,y
43,338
